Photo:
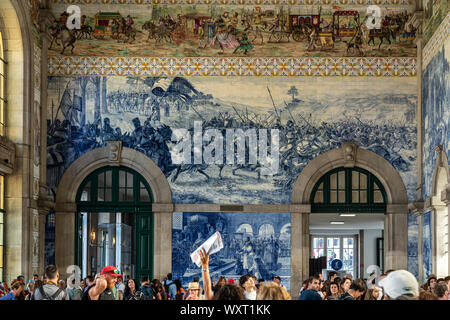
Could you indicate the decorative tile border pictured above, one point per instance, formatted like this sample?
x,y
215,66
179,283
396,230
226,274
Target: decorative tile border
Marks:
x,y
435,43
242,2
195,66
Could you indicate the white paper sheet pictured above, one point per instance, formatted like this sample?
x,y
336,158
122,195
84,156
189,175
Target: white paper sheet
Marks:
x,y
212,245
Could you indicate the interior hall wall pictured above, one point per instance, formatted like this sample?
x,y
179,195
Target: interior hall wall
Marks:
x,y
436,101
169,69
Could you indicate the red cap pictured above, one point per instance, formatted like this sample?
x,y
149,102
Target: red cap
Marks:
x,y
111,270
230,281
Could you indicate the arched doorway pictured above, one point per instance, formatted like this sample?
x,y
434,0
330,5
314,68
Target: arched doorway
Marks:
x,y
347,206
394,217
113,155
439,205
114,223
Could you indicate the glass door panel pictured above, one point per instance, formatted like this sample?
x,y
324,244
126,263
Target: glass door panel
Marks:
x,y
107,240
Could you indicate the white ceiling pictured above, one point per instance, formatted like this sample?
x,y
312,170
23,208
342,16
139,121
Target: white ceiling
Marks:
x,y
321,222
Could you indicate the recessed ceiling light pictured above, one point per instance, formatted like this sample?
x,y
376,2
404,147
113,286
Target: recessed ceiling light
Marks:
x,y
336,222
347,215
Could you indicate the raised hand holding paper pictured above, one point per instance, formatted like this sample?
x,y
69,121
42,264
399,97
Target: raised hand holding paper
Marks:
x,y
212,245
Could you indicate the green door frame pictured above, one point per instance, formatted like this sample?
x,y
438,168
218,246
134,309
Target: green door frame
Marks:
x,y
326,206
142,210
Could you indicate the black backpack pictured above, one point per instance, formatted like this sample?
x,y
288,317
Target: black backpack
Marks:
x,y
85,296
167,285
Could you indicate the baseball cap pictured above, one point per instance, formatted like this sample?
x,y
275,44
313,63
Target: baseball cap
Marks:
x,y
398,283
111,270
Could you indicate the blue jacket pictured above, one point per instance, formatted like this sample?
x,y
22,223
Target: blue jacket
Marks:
x,y
9,296
172,288
309,295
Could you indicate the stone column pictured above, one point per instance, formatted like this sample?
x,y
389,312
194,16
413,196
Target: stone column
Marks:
x,y
420,245
445,197
419,120
416,208
64,237
19,94
300,246
162,243
45,21
396,237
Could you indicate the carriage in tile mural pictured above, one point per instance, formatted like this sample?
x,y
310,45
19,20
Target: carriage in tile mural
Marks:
x,y
210,31
104,24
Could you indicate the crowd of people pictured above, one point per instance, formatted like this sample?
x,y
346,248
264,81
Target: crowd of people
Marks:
x,y
109,285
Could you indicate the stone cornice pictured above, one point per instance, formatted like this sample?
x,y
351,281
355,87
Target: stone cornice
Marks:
x,y
445,195
7,156
46,205
416,207
397,208
434,203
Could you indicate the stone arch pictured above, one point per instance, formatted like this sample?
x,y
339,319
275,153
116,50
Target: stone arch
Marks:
x,y
396,223
113,154
439,203
349,155
441,172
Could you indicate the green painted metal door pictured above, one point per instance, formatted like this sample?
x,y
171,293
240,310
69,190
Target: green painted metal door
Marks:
x,y
119,189
144,245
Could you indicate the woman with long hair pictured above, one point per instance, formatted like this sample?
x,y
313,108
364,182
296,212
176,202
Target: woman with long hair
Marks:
x,y
333,291
220,283
180,290
131,292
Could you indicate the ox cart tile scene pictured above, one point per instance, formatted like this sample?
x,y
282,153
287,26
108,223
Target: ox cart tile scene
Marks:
x,y
213,31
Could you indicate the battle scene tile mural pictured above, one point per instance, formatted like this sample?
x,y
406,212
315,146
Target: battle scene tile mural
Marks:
x,y
235,30
436,111
427,244
255,243
286,123
413,245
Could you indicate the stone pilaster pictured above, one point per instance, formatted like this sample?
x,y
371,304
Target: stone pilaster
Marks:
x,y
396,237
417,22
300,247
162,244
46,19
417,208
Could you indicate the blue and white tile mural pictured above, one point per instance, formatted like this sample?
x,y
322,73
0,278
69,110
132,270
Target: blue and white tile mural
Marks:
x,y
427,234
413,245
255,243
311,115
436,111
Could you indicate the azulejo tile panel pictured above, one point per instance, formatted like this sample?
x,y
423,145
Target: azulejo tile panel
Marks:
x,y
194,66
241,2
435,44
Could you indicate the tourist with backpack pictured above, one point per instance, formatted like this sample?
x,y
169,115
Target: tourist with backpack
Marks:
x,y
50,291
148,289
170,287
